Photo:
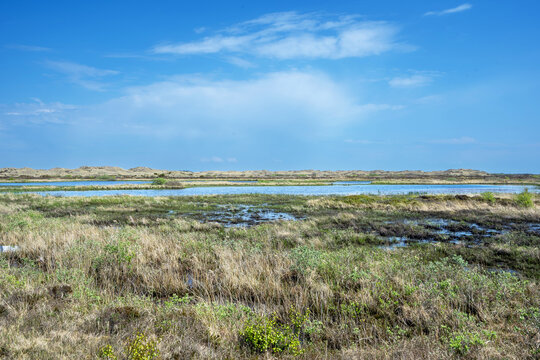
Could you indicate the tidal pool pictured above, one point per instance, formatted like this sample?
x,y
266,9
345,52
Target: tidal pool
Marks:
x,y
307,190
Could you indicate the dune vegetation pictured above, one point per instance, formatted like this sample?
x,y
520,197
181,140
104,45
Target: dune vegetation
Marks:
x,y
353,277
451,176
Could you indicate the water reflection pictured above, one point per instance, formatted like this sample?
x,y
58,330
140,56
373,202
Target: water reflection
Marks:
x,y
305,190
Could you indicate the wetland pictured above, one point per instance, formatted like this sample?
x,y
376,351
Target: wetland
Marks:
x,y
273,275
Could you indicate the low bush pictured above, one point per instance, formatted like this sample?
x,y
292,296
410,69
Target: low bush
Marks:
x,y
159,181
138,347
264,334
525,199
489,197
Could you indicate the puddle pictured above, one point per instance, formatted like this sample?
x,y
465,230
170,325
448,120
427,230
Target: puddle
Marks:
x,y
7,248
440,230
247,215
535,228
243,215
396,243
403,241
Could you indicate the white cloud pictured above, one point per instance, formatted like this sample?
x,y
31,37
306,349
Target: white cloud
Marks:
x,y
454,141
294,102
243,63
410,81
429,99
36,112
82,75
457,9
217,159
290,35
30,48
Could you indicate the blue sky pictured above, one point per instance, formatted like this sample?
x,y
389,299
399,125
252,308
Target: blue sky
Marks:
x,y
236,85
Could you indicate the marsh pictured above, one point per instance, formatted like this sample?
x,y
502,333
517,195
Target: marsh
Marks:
x,y
373,275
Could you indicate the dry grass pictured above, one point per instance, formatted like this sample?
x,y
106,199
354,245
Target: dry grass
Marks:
x,y
74,287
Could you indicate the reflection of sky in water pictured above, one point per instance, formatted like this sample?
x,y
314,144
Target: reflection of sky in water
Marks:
x,y
307,190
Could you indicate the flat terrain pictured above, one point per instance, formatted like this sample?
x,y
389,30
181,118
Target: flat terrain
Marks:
x,y
271,276
453,176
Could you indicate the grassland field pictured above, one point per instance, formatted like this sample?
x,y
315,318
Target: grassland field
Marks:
x,y
206,277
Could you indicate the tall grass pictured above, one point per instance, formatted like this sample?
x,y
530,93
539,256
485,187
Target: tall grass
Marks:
x,y
307,289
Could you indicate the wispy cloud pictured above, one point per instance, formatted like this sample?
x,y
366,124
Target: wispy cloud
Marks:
x,y
36,112
457,9
290,35
217,159
410,81
30,48
414,79
243,63
454,141
429,99
82,75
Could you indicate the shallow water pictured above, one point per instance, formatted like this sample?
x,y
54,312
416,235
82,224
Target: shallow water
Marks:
x,y
306,190
75,183
243,215
7,248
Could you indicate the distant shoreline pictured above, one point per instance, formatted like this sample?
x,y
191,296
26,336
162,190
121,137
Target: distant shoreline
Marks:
x,y
108,173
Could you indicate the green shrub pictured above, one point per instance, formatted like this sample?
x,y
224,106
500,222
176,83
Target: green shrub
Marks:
x,y
525,199
489,197
159,181
265,334
107,352
141,348
463,342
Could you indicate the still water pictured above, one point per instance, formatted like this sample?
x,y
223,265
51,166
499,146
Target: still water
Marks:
x,y
307,190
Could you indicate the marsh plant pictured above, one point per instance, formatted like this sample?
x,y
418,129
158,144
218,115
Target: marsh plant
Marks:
x,y
525,199
121,278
